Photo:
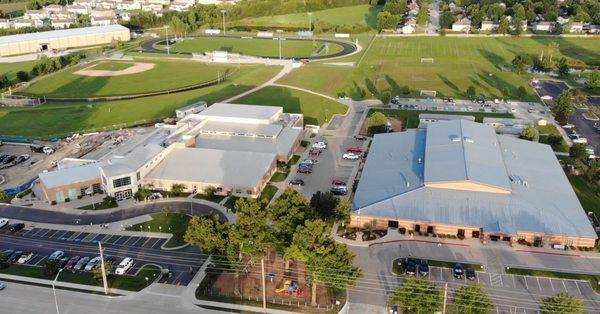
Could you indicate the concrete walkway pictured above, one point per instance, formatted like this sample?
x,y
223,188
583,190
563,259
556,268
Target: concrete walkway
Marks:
x,y
287,68
63,284
306,91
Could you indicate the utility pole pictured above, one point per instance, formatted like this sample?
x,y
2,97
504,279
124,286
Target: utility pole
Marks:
x,y
264,290
445,297
223,13
167,30
104,281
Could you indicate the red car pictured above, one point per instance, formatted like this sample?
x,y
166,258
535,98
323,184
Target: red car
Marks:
x,y
338,183
355,150
313,152
71,263
304,170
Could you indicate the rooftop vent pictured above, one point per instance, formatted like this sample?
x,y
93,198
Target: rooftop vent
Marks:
x,y
468,139
454,138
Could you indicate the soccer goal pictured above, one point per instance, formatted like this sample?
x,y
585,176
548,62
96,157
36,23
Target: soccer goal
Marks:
x,y
430,93
426,60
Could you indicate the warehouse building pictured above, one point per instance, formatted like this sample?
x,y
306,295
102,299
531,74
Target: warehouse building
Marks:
x,y
460,178
62,39
231,148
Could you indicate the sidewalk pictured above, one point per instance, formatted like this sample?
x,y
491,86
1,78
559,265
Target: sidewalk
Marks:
x,y
65,284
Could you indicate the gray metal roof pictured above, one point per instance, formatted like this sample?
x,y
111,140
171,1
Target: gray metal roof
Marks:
x,y
235,111
242,129
280,145
213,166
63,33
71,175
132,161
459,150
541,198
441,116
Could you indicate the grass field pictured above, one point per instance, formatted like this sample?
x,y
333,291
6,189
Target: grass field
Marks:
x,y
587,193
11,69
317,110
410,118
112,66
359,14
550,129
391,63
13,6
253,47
164,76
61,119
174,223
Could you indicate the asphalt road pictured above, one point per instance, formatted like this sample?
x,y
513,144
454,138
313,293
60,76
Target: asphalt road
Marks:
x,y
348,48
143,250
97,217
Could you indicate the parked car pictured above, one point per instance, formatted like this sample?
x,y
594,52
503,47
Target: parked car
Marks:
x,y
458,271
304,170
319,145
356,150
22,158
3,222
2,157
9,159
16,227
124,266
81,263
314,153
15,256
351,156
56,255
298,182
424,267
93,263
339,190
360,137
568,126
6,255
48,150
25,257
470,274
2,285
62,262
411,267
338,183
72,262
580,140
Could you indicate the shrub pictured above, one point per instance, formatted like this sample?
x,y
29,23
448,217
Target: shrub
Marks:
x,y
53,203
67,200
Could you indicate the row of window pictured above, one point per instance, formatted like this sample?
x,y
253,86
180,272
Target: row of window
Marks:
x,y
124,181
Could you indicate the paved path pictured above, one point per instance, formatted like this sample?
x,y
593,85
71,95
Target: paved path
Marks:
x,y
306,91
434,17
287,68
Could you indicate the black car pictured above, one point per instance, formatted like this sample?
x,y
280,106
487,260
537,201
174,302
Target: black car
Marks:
x,y
9,159
360,137
458,271
2,157
16,227
298,182
14,257
470,273
411,267
424,267
6,254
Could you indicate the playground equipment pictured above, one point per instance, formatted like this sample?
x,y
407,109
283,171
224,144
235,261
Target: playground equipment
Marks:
x,y
290,287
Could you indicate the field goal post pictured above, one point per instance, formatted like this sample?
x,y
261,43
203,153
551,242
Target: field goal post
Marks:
x,y
430,93
427,60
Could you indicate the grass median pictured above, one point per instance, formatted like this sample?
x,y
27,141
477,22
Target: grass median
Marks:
x,y
174,223
410,118
593,279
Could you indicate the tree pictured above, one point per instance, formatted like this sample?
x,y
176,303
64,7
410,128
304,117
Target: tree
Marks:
x,y
177,26
471,92
578,151
177,189
522,92
519,11
323,204
5,82
287,213
504,26
562,67
165,211
518,24
385,97
97,272
423,15
328,262
562,303
446,19
51,267
5,198
22,76
563,107
519,62
377,124
417,296
210,191
396,7
555,141
530,133
341,212
386,20
505,92
593,81
472,300
208,233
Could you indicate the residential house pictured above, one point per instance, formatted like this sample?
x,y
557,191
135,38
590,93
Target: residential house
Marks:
x,y
5,23
53,8
161,2
180,6
151,7
544,26
129,5
562,21
123,16
78,9
86,3
462,25
62,23
107,4
103,13
576,27
594,29
35,15
103,21
20,23
489,26
410,26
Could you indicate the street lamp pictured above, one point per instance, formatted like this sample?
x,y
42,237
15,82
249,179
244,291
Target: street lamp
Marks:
x,y
54,290
309,21
223,13
167,34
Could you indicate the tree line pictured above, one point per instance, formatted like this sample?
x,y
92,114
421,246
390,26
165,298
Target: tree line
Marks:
x,y
42,66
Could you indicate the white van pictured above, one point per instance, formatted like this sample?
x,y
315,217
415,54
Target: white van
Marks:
x,y
124,266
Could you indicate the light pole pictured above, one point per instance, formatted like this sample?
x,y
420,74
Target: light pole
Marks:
x,y
223,13
309,21
167,31
54,290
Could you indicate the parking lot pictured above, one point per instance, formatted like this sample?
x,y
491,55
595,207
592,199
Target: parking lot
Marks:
x,y
550,88
144,250
516,293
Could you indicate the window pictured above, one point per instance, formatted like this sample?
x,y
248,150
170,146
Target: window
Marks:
x,y
96,188
139,177
121,182
238,191
249,192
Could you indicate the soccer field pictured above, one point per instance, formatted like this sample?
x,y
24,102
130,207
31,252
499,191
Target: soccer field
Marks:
x,y
254,47
483,62
164,75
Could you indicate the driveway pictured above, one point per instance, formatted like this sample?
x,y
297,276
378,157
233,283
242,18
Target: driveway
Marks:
x,y
434,18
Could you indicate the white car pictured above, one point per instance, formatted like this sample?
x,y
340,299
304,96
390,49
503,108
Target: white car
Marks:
x,y
513,110
319,145
568,126
3,222
124,266
25,257
580,140
48,150
351,156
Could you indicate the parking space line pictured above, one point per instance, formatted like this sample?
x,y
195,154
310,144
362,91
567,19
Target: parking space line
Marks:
x,y
51,234
38,262
578,289
538,281
89,237
564,286
106,237
514,282
525,281
136,241
45,233
73,236
61,235
28,231
144,244
38,231
157,242
551,284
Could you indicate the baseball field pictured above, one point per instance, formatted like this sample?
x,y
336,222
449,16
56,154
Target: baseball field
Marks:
x,y
114,78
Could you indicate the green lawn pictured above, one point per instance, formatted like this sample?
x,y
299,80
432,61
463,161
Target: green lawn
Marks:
x,y
164,76
112,66
11,69
317,110
13,6
550,129
268,192
351,15
124,282
61,119
214,198
174,223
410,118
253,47
588,194
391,63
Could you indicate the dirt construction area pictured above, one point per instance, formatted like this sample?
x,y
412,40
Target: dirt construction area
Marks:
x,y
102,69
